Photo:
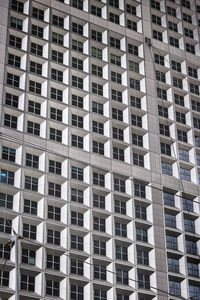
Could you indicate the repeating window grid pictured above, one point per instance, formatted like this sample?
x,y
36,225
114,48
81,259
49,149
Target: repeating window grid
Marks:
x,y
5,225
16,23
98,147
140,212
133,49
95,10
120,229
78,4
53,237
157,35
179,100
17,6
99,247
56,114
38,13
116,95
58,21
30,206
35,87
32,160
174,42
57,56
99,272
28,256
77,173
6,200
140,190
54,189
118,134
141,234
122,276
97,127
11,100
143,257
114,18
27,283
115,59
99,224
118,153
97,108
54,213
98,179
77,82
77,121
76,195
76,267
37,31
99,201
121,252
7,177
172,26
10,121
56,94
36,49
77,101
56,75
52,288
167,168
77,242
53,262
76,218
182,135
97,70
120,207
137,139
187,18
13,80
192,72
8,153
55,135
160,76
77,63
15,41
77,141
77,46
14,60
29,231
164,129
57,38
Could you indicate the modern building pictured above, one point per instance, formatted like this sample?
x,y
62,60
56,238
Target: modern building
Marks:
x,y
100,149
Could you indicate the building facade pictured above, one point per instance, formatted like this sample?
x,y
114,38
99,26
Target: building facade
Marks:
x,y
100,149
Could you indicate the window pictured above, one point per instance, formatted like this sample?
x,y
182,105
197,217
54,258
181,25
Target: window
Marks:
x,y
97,107
77,101
16,23
171,242
187,18
76,195
4,278
56,114
179,99
190,48
120,207
116,95
14,60
55,135
56,94
135,84
55,167
137,140
135,102
183,154
164,129
77,173
38,13
121,252
138,159
142,257
177,82
52,288
193,269
170,220
53,237
131,9
77,141
167,169
180,117
172,26
77,28
58,21
157,35
191,247
36,49
118,153
100,295
99,201
57,38
156,19
77,242
143,281
115,59
168,199
192,72
99,247
187,204
194,291
8,154
165,149
76,267
17,5
176,66
31,183
159,59
140,190
99,272
33,128
77,121
189,33
185,174
77,46
76,218
54,189
174,42
175,288
98,179
76,292
57,56
118,134
78,4
13,80
131,25
194,88
7,177
161,93
11,100
27,283
54,213
56,75
155,4
28,256
30,207
53,262
96,52
35,87
5,225
186,3
114,3
96,35
132,49
114,42
160,76
182,135
77,63
116,77
99,224
162,111
140,212
97,88
114,18
97,70
98,147
37,31
136,120
35,68
6,201
29,231
15,41
173,265
10,121
122,297
121,229
121,276
32,160
95,10
119,185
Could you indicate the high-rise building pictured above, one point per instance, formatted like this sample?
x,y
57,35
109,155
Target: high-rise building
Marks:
x,y
100,149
